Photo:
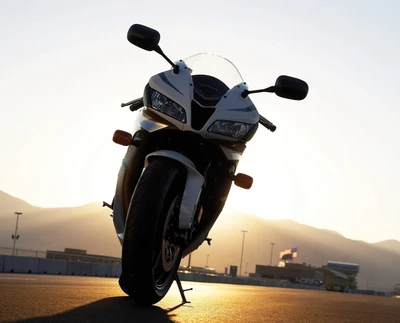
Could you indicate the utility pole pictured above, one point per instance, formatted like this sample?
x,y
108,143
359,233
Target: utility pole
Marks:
x,y
272,250
15,236
241,257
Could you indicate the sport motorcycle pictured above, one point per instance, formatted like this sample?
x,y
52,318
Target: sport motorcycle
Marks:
x,y
191,129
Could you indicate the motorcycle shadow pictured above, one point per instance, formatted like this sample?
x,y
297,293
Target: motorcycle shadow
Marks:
x,y
112,309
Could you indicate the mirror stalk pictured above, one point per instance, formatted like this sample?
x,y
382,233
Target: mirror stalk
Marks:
x,y
270,89
158,50
286,87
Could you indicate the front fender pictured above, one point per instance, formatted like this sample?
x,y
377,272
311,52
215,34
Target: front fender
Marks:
x,y
193,186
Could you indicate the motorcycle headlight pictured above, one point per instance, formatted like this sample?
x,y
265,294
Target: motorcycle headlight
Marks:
x,y
232,129
165,105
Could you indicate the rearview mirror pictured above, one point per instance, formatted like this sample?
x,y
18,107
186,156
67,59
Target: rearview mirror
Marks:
x,y
290,88
143,37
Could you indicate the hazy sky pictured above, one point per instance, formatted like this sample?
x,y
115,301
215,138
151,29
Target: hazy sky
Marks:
x,y
332,163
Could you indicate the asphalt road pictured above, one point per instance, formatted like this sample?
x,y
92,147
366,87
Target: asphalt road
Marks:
x,y
44,298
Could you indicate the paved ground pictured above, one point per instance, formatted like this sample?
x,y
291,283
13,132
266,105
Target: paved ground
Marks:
x,y
39,298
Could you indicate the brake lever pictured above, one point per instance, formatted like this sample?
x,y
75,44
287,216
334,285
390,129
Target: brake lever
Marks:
x,y
134,104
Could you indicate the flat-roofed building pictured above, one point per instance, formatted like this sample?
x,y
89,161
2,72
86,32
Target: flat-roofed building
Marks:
x,y
344,267
295,273
349,269
70,254
335,280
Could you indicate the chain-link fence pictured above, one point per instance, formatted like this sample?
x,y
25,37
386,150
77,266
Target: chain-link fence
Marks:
x,y
23,252
61,255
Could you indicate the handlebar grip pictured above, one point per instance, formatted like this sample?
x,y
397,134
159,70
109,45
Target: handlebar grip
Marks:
x,y
267,124
272,128
137,104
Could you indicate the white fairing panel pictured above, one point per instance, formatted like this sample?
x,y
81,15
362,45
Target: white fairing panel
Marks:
x,y
231,154
149,125
234,108
193,187
231,107
177,87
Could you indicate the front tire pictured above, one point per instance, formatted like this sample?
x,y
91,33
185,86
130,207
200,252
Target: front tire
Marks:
x,y
150,251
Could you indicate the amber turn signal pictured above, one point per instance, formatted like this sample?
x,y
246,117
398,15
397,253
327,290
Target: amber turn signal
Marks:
x,y
243,181
122,138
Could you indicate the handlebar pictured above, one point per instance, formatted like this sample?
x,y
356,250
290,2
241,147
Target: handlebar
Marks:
x,y
267,124
134,104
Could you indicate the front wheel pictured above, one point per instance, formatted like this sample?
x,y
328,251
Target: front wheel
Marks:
x,y
150,251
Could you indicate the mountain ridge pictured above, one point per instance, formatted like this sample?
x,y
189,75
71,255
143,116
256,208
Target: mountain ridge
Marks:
x,y
391,245
90,227
10,203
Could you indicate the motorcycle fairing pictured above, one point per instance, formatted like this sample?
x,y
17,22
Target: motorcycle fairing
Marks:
x,y
179,88
119,212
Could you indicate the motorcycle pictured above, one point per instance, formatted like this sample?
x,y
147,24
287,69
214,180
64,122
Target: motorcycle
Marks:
x,y
192,126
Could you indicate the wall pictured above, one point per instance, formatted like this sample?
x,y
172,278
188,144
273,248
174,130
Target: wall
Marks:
x,y
32,265
15,264
52,266
19,264
2,259
242,281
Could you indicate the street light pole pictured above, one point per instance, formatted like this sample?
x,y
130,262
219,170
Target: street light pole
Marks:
x,y
15,236
241,257
272,250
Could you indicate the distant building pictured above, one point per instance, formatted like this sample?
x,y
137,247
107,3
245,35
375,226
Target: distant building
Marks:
x,y
294,273
334,280
75,251
336,276
349,269
344,267
396,289
233,271
70,254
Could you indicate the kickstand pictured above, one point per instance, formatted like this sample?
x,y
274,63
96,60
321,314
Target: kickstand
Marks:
x,y
181,290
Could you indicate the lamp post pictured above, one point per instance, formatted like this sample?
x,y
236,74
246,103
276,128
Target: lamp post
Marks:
x,y
207,261
272,250
241,257
15,236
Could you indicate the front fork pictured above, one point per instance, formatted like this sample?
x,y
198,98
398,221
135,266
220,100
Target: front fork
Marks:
x,y
193,186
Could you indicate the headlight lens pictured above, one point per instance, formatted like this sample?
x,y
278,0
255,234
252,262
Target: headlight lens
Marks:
x,y
232,129
165,105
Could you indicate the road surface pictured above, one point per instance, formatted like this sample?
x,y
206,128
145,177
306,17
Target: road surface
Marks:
x,y
45,298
